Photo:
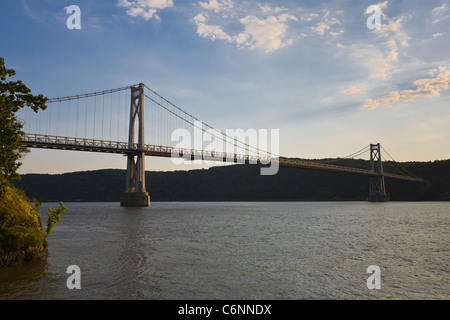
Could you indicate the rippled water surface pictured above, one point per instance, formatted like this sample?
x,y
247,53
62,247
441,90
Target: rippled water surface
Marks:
x,y
299,250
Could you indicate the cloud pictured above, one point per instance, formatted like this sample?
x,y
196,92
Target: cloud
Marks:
x,y
145,8
216,5
262,26
267,28
427,87
393,29
309,17
353,90
212,32
323,23
384,65
441,9
41,15
382,5
268,33
389,99
392,38
440,13
382,53
320,28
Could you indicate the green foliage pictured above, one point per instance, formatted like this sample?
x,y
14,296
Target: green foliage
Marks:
x,y
21,234
54,216
20,223
14,95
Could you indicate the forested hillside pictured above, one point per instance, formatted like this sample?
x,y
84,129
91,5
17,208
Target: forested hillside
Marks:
x,y
242,183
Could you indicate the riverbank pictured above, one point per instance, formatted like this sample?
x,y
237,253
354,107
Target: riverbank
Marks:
x,y
21,235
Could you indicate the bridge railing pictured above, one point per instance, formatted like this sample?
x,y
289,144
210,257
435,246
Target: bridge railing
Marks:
x,y
50,141
81,144
73,143
297,163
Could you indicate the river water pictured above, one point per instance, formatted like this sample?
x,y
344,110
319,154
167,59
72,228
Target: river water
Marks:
x,y
255,250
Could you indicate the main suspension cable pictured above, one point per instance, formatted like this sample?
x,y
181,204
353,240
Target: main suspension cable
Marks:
x,y
206,125
88,95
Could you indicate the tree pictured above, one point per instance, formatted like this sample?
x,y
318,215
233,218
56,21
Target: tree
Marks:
x,y
21,236
14,95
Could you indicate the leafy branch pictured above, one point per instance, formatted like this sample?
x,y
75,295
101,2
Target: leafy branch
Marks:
x,y
54,216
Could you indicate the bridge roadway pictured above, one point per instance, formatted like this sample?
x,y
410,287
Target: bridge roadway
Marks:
x,y
92,145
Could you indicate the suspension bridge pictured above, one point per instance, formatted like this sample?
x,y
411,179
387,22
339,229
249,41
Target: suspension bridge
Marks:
x,y
114,121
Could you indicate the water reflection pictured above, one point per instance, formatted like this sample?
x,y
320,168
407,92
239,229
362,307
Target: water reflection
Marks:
x,y
135,260
242,251
15,281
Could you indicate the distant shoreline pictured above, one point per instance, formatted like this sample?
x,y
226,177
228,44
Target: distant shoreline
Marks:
x,y
240,183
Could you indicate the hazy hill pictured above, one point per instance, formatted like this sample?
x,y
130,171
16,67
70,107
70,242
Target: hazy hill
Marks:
x,y
241,183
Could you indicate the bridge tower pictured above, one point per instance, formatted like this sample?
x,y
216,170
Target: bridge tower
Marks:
x,y
377,186
135,194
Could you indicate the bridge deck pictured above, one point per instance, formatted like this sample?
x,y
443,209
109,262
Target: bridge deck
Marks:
x,y
92,145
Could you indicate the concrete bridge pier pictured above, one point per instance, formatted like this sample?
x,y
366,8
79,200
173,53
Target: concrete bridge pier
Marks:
x,y
135,199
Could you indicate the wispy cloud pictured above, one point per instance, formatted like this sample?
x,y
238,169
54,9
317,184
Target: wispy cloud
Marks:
x,y
354,90
267,28
440,9
216,5
42,15
384,65
381,52
210,31
427,87
393,38
146,9
268,33
324,23
263,26
440,13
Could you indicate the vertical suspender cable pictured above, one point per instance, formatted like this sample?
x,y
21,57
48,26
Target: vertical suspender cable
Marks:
x,y
59,118
95,107
48,121
110,118
68,120
103,112
76,123
85,119
118,117
39,122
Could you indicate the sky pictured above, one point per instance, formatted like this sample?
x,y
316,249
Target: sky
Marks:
x,y
319,71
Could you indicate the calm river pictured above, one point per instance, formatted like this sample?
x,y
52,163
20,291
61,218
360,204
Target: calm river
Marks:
x,y
275,251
